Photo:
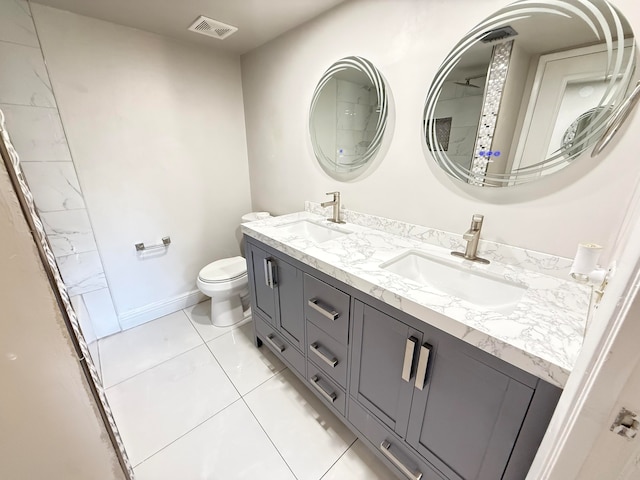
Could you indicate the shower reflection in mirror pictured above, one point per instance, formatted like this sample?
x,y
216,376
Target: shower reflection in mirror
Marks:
x,y
538,84
348,117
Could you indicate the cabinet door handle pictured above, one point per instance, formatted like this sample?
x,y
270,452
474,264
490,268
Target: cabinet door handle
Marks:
x,y
275,343
324,354
329,312
267,273
316,382
269,277
412,473
409,350
423,363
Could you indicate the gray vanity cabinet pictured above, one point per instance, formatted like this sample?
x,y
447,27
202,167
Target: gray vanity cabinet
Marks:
x,y
277,294
431,405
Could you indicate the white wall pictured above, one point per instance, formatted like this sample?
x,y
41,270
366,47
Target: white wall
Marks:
x,y
51,427
156,129
407,40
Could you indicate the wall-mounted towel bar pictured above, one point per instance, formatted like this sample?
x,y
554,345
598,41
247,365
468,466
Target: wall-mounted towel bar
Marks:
x,y
141,247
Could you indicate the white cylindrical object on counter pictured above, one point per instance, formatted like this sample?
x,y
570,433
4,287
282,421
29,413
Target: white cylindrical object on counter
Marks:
x,y
586,259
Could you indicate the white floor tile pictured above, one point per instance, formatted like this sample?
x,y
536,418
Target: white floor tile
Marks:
x,y
307,435
128,353
200,316
159,405
229,446
359,463
246,365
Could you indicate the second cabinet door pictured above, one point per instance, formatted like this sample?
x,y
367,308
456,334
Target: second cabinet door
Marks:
x,y
383,353
467,418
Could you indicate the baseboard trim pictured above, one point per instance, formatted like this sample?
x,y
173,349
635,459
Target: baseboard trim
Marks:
x,y
149,312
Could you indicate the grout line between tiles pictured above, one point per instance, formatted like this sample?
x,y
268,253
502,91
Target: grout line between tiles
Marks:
x,y
154,366
187,432
27,105
20,44
284,367
248,407
240,324
270,440
338,459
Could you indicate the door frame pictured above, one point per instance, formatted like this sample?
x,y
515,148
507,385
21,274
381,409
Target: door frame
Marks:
x,y
608,357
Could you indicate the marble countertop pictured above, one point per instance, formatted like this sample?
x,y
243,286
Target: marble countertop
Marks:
x,y
541,334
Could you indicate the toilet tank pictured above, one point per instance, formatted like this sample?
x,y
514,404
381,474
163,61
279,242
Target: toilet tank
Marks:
x,y
253,216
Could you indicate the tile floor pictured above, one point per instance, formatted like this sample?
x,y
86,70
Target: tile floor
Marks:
x,y
193,401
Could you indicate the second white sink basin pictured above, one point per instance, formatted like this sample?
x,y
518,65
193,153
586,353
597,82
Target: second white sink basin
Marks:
x,y
312,231
453,277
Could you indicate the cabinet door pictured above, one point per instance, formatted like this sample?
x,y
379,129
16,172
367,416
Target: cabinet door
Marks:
x,y
466,419
291,312
383,355
262,288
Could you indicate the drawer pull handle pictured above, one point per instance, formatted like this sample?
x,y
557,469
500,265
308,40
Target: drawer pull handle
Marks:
x,y
316,382
411,473
409,349
423,363
329,313
324,354
276,344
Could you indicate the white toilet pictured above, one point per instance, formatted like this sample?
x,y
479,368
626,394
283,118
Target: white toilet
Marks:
x,y
225,281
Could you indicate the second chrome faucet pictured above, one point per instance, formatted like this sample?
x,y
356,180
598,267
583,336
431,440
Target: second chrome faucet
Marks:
x,y
472,237
335,203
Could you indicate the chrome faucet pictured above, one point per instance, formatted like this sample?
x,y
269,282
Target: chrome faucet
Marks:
x,y
335,203
472,237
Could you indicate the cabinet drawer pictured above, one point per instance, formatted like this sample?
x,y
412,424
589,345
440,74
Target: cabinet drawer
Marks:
x,y
327,307
402,459
327,353
326,388
276,342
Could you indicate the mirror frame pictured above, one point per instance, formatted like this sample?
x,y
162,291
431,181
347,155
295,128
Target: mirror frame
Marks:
x,y
599,21
330,166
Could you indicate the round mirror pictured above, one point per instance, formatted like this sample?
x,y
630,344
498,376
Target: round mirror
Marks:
x,y
529,90
348,117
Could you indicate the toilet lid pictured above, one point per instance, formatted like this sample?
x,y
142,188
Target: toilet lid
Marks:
x,y
223,270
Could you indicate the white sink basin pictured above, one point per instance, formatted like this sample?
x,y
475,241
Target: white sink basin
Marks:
x,y
309,230
483,290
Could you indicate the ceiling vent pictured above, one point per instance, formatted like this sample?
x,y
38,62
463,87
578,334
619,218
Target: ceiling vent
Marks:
x,y
212,28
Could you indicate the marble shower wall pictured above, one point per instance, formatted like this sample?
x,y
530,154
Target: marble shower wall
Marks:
x,y
463,105
356,120
34,124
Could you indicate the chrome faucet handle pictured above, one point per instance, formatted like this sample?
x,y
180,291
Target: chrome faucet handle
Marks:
x,y
335,194
476,221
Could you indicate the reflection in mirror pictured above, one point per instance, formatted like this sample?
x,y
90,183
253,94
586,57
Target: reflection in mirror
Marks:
x,y
348,117
529,90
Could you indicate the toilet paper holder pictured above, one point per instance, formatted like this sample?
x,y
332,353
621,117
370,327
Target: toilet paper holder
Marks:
x,y
585,268
141,247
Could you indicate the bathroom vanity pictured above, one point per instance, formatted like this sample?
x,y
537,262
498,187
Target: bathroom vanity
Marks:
x,y
420,382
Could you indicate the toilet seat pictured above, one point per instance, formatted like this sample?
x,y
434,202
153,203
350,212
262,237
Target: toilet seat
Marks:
x,y
223,271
